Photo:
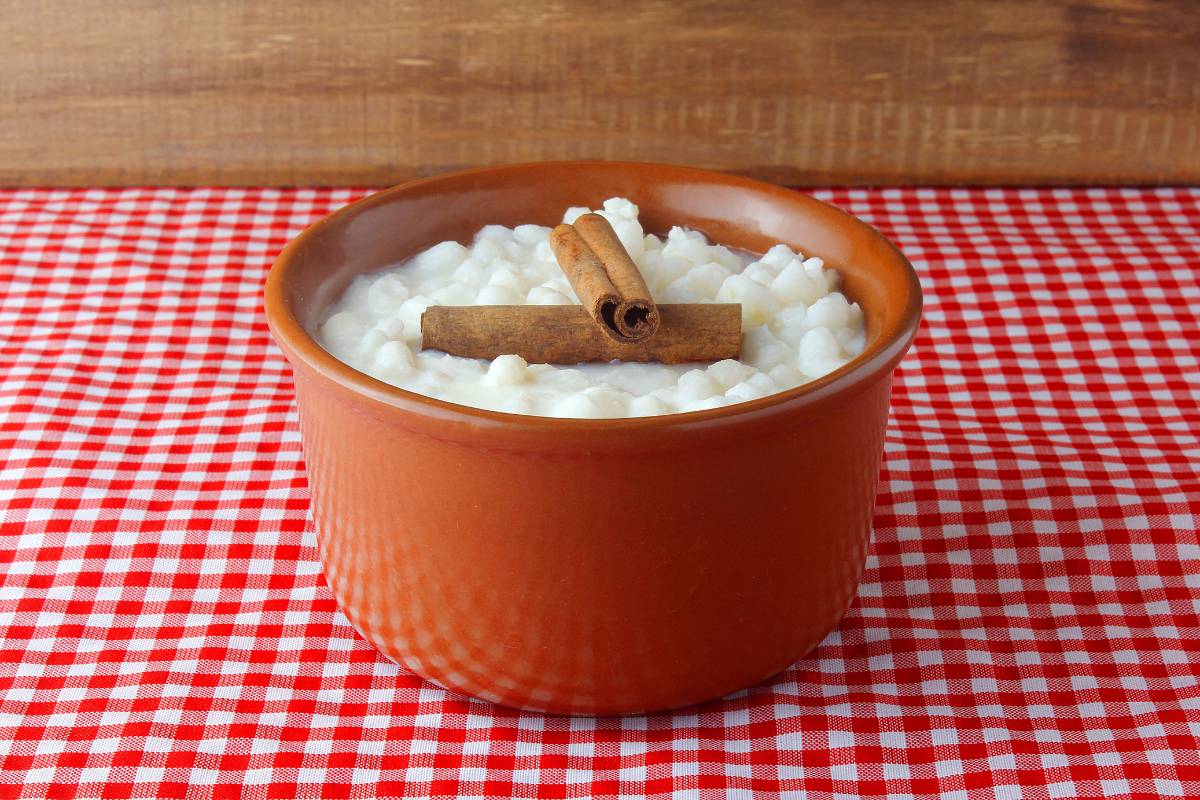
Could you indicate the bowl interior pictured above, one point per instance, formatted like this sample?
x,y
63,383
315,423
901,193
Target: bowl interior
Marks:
x,y
395,224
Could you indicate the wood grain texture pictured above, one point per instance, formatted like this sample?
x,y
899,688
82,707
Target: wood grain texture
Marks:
x,y
863,91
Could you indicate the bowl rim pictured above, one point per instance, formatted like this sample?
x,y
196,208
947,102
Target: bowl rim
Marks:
x,y
302,349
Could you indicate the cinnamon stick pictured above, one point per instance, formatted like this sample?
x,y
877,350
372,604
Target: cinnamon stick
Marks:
x,y
588,278
636,317
687,332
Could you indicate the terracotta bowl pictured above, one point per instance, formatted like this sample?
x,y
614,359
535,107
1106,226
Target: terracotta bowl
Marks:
x,y
591,566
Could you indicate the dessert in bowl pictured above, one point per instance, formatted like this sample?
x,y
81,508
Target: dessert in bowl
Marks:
x,y
593,565
795,324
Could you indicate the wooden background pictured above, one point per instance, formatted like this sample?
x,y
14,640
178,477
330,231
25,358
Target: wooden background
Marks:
x,y
371,92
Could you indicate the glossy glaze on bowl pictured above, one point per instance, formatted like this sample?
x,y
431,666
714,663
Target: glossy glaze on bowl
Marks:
x,y
591,566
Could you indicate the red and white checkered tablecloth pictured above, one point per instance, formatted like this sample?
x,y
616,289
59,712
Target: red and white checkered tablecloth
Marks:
x,y
1027,625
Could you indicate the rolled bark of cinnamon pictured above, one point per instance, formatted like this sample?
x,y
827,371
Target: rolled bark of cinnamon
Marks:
x,y
588,278
636,317
687,332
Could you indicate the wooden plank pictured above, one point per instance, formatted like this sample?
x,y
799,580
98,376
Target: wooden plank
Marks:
x,y
863,91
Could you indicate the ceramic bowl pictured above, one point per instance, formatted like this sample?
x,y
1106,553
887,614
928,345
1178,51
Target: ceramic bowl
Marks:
x,y
591,566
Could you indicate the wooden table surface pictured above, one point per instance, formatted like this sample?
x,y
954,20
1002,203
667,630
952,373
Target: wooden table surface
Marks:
x,y
274,92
